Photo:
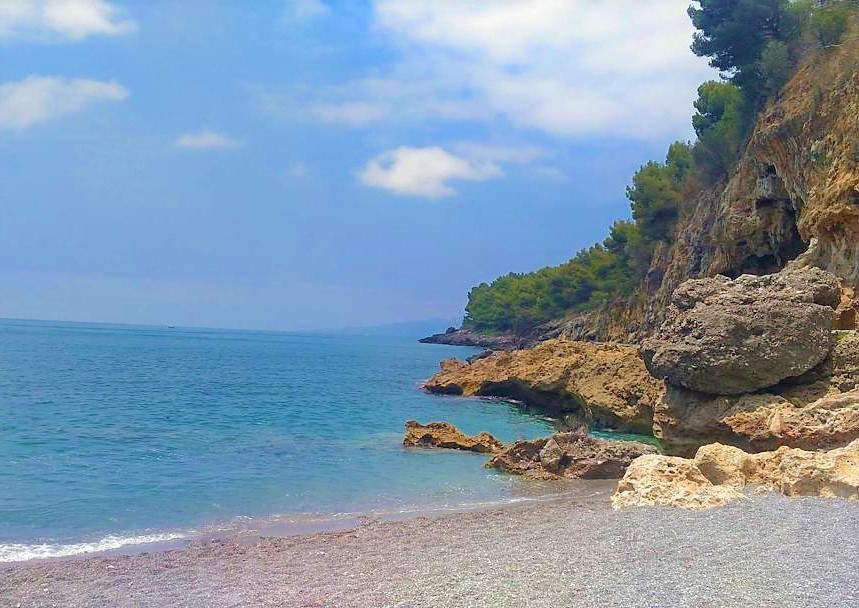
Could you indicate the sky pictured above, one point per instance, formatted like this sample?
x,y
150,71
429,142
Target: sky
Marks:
x,y
314,164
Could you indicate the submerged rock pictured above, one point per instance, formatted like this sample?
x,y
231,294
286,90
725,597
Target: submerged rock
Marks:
x,y
718,472
445,435
574,455
606,385
729,337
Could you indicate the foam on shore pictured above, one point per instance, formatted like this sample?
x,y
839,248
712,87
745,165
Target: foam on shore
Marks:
x,y
19,552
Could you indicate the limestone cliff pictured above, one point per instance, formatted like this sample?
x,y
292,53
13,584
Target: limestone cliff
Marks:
x,y
793,196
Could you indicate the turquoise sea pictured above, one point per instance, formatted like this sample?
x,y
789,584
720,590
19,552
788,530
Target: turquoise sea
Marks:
x,y
115,435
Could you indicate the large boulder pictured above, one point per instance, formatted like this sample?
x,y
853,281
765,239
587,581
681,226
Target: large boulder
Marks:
x,y
572,455
729,337
669,481
604,385
718,473
819,410
445,435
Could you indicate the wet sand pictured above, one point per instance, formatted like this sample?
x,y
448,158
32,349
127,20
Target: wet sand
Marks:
x,y
769,551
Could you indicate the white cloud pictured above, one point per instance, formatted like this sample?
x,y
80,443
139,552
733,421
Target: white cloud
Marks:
x,y
38,99
569,68
302,11
424,172
72,20
206,140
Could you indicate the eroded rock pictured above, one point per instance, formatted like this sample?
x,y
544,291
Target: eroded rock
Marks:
x,y
819,410
669,481
574,455
831,421
729,337
606,385
445,435
718,472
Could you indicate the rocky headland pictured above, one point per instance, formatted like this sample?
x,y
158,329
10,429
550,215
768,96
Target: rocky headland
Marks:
x,y
742,331
602,385
748,377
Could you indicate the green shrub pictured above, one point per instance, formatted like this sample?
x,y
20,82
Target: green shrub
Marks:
x,y
830,22
722,124
656,194
776,66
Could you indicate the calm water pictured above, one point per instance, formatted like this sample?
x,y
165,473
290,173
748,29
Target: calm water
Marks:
x,y
112,434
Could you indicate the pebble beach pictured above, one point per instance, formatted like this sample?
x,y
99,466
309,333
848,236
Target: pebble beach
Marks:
x,y
767,551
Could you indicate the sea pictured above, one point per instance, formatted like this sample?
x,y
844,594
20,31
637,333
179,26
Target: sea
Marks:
x,y
114,437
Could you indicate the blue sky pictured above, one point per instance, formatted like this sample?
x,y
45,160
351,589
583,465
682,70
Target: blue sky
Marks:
x,y
310,164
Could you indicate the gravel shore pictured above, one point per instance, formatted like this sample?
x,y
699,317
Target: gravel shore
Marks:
x,y
769,551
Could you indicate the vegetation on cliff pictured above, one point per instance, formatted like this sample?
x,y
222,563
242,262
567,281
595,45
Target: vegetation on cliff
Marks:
x,y
757,45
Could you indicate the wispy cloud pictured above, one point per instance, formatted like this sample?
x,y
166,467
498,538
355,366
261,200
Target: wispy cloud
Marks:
x,y
297,169
424,172
206,140
517,154
568,69
38,99
61,20
302,11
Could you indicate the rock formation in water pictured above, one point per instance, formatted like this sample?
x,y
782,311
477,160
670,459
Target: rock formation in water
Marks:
x,y
718,473
445,435
572,455
603,385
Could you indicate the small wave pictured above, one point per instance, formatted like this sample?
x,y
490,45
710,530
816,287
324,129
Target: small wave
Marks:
x,y
23,552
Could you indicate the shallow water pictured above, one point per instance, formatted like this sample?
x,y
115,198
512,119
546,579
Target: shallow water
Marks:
x,y
111,435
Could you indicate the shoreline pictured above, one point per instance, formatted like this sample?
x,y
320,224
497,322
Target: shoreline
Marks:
x,y
286,525
766,551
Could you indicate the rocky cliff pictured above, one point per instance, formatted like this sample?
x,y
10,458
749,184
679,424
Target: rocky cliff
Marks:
x,y
738,317
793,196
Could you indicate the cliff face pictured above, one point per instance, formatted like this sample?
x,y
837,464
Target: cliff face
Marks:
x,y
792,196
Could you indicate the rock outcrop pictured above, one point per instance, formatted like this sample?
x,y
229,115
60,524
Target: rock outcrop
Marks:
x,y
718,473
817,410
445,435
467,337
730,337
669,481
573,455
603,385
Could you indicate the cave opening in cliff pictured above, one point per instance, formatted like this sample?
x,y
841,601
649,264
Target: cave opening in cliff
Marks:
x,y
780,242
